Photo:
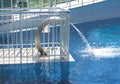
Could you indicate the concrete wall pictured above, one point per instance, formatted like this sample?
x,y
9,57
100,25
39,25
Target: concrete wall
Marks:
x,y
103,10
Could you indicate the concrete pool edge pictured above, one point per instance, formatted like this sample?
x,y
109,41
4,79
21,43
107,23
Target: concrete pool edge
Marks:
x,y
31,57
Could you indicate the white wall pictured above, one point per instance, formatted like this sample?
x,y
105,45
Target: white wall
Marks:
x,y
102,10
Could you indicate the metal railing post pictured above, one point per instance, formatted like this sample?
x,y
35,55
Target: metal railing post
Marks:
x,y
21,38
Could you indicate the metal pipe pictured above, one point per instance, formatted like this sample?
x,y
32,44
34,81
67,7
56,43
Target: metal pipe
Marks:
x,y
38,32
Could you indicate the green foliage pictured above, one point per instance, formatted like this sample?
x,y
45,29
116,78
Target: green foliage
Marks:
x,y
33,3
22,4
60,1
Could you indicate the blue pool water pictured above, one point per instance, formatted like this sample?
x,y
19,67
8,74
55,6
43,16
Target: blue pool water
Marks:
x,y
103,67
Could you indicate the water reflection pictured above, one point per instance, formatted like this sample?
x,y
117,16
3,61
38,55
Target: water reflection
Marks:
x,y
38,73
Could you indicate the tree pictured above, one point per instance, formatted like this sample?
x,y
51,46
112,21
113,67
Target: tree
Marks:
x,y
22,4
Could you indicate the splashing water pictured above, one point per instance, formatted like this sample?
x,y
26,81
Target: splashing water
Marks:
x,y
105,52
84,39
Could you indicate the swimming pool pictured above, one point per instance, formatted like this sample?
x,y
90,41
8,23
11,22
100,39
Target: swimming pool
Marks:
x,y
103,67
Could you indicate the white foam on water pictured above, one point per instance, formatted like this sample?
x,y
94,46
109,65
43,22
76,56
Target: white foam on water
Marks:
x,y
106,52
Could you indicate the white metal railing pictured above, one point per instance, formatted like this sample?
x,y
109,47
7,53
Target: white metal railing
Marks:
x,y
45,3
17,38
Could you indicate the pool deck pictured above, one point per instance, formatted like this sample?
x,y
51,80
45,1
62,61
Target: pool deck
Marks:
x,y
31,55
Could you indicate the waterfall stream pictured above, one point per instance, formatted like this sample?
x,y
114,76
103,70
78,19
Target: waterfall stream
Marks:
x,y
83,38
